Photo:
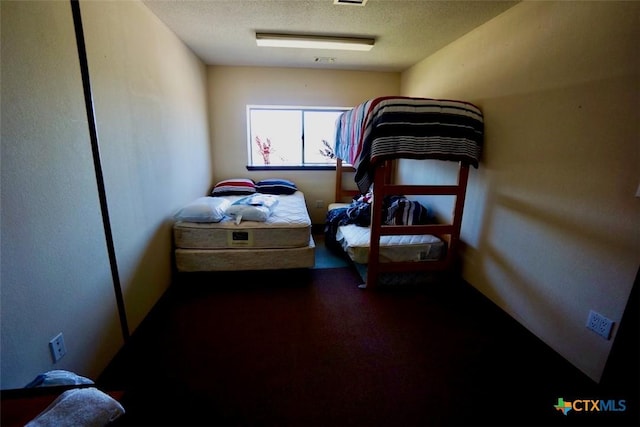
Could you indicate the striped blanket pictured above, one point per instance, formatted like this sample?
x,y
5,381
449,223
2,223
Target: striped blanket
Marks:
x,y
403,127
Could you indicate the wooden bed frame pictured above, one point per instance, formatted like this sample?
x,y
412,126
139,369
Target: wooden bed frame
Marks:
x,y
383,186
343,195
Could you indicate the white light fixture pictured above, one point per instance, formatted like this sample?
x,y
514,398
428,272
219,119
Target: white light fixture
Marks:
x,y
304,41
350,2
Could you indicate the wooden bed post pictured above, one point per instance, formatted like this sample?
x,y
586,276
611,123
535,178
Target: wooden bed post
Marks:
x,y
338,197
341,192
458,209
381,178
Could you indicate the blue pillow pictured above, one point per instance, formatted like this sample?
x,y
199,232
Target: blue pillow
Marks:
x,y
276,186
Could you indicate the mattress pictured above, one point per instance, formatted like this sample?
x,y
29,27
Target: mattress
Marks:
x,y
354,240
337,206
288,226
193,260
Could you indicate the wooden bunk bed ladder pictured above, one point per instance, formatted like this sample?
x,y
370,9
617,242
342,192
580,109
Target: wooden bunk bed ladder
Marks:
x,y
449,232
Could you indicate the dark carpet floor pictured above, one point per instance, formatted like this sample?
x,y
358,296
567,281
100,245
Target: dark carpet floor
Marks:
x,y
309,348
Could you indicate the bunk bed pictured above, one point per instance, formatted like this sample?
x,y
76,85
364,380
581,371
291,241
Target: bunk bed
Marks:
x,y
373,135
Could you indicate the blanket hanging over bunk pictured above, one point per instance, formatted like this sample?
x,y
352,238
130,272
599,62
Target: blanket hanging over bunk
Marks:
x,y
404,127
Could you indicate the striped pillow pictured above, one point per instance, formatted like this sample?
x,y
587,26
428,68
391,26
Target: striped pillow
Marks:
x,y
234,187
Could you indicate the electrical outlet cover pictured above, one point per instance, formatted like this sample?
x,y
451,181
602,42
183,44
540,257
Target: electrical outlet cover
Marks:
x,y
56,345
599,324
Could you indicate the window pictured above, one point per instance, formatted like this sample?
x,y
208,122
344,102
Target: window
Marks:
x,y
291,137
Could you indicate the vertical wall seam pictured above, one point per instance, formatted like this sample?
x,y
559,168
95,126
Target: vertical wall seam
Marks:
x,y
95,149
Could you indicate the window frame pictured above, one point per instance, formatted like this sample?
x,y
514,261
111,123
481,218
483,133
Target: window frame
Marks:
x,y
303,166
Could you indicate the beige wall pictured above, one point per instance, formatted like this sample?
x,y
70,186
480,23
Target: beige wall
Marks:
x,y
551,223
151,109
231,89
150,102
55,269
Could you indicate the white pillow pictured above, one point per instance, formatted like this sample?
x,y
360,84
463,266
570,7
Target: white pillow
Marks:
x,y
204,209
253,208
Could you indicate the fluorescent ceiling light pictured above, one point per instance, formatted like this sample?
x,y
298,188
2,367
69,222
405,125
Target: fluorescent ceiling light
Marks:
x,y
314,42
350,2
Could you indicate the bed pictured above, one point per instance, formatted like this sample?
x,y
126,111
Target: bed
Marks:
x,y
369,138
281,239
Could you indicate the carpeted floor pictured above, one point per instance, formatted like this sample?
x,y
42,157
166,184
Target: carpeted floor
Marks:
x,y
308,348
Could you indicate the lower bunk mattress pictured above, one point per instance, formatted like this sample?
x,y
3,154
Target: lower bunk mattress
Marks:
x,y
354,240
282,241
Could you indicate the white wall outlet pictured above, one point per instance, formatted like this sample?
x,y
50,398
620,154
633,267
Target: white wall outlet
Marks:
x,y
56,345
319,204
599,324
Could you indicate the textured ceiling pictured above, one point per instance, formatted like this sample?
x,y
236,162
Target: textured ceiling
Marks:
x,y
222,32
